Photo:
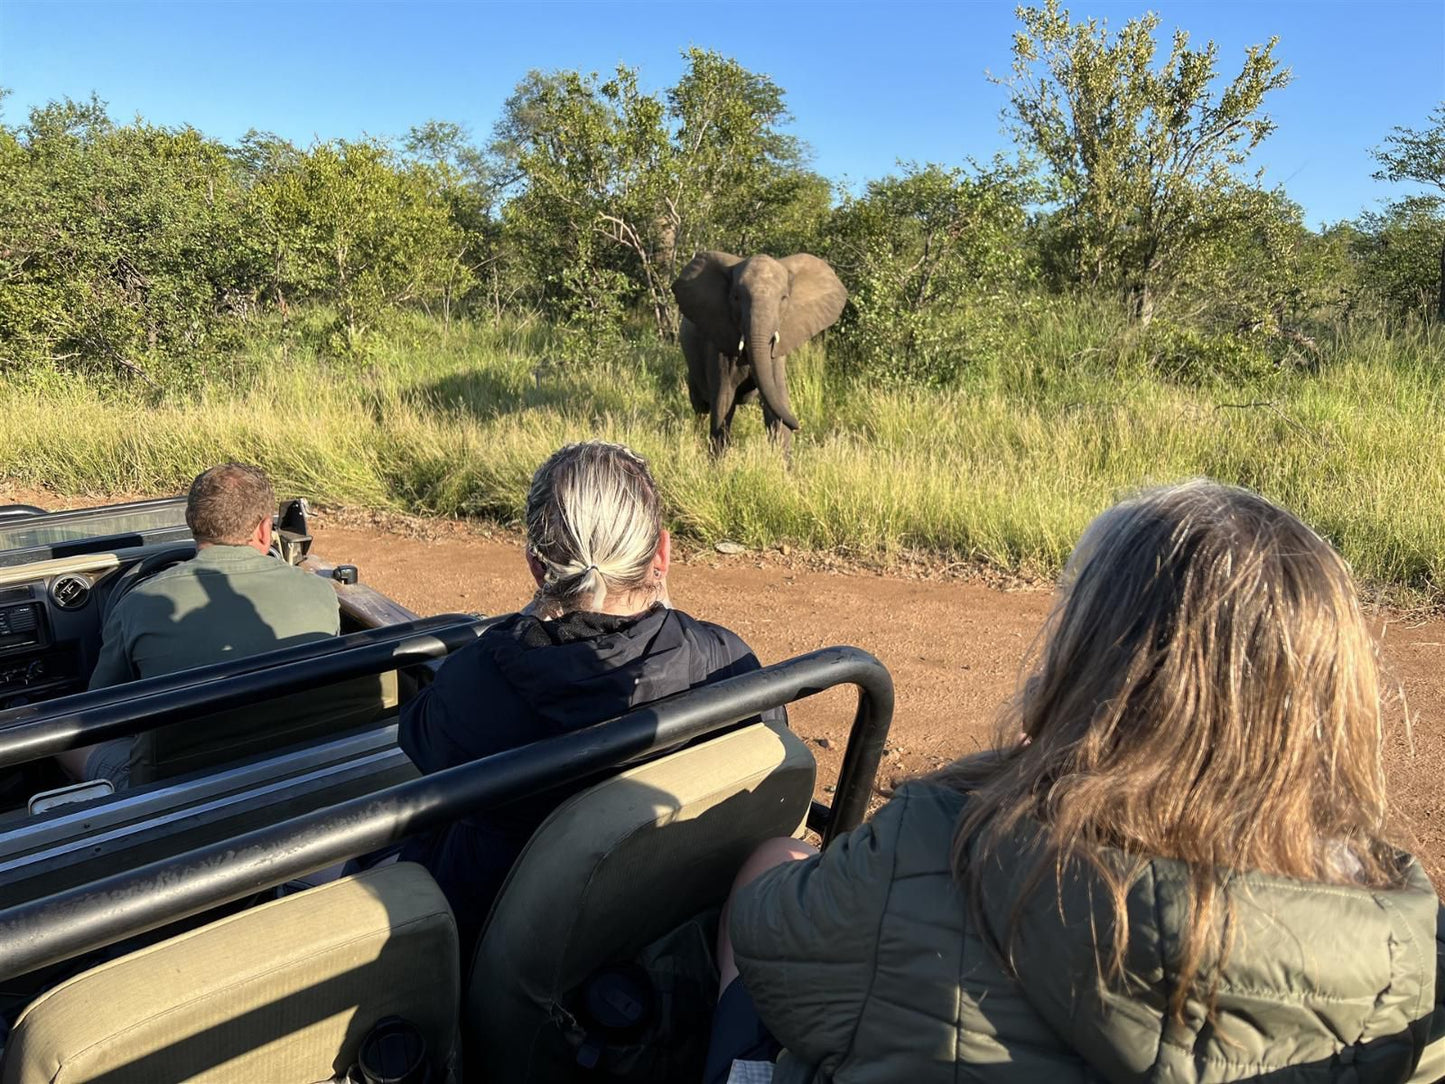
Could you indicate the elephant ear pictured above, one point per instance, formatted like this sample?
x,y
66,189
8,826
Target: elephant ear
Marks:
x,y
702,292
816,301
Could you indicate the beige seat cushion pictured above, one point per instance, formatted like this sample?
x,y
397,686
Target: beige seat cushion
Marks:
x,y
282,993
614,868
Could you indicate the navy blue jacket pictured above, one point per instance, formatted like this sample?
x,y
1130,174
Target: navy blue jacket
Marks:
x,y
524,680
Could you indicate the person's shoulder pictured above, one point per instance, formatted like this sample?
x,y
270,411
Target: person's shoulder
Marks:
x,y
181,572
165,584
922,811
314,587
720,638
481,653
501,631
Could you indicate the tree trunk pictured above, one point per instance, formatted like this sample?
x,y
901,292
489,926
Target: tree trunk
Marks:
x,y
1143,304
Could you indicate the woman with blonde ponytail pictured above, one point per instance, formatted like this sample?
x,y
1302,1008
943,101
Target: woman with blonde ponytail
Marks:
x,y
598,638
1174,866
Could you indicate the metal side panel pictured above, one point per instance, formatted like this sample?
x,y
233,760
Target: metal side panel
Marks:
x,y
74,846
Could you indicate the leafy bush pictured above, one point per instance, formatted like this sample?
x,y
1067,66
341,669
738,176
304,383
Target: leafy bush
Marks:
x,y
117,247
1202,359
932,260
1399,258
138,252
353,227
141,254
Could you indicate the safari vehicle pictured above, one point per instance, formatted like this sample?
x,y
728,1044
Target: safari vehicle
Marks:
x,y
61,574
173,932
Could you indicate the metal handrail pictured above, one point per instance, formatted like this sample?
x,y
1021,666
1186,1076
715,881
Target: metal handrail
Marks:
x,y
33,731
63,925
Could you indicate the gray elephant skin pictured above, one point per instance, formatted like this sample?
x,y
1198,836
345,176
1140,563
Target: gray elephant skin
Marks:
x,y
741,319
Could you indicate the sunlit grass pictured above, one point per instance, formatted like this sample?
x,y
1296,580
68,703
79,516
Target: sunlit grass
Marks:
x,y
1008,467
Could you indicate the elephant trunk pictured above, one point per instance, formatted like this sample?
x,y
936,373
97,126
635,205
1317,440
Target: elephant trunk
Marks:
x,y
768,372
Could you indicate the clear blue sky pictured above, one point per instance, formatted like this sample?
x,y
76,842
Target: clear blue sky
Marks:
x,y
868,83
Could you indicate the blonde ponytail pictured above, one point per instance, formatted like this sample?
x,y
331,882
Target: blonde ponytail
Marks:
x,y
594,524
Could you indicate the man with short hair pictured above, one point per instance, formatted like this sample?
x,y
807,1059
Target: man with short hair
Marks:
x,y
231,600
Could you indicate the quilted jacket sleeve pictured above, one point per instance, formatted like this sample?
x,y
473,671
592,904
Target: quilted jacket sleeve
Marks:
x,y
806,938
1432,1062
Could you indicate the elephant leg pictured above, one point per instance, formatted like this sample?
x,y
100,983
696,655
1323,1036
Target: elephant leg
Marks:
x,y
697,396
696,350
778,433
727,429
723,392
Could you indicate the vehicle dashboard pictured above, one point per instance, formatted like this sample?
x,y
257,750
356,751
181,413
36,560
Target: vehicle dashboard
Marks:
x,y
50,623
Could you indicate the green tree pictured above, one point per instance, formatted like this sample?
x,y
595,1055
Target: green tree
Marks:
x,y
933,262
118,248
613,189
742,182
1397,253
1419,156
586,162
1142,160
270,167
461,179
350,225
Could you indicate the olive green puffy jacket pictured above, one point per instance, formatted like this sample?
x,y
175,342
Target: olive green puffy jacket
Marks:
x,y
865,963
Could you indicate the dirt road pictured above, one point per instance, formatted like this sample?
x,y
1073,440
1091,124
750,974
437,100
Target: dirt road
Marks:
x,y
954,648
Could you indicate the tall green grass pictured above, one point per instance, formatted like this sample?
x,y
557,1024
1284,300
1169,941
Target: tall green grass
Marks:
x,y
1007,467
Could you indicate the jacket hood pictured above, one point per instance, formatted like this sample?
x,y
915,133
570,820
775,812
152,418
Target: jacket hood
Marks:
x,y
1310,967
596,666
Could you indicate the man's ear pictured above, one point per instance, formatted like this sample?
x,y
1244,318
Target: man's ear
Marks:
x,y
261,536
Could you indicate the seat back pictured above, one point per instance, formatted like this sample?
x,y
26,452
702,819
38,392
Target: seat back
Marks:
x,y
229,736
282,993
613,869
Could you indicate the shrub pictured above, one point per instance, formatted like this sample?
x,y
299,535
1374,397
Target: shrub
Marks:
x,y
930,259
1199,358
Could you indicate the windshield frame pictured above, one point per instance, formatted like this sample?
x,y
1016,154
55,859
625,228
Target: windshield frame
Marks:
x,y
43,536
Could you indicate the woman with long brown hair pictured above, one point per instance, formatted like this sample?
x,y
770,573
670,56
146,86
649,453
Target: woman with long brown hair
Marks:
x,y
1175,865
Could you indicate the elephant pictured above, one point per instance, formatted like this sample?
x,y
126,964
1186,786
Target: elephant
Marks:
x,y
741,319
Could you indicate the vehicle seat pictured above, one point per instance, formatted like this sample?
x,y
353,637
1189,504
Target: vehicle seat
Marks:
x,y
613,869
229,736
282,993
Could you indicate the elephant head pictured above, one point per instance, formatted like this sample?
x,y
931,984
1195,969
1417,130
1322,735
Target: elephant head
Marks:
x,y
763,307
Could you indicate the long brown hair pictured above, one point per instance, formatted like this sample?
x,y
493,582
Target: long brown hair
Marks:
x,y
1206,691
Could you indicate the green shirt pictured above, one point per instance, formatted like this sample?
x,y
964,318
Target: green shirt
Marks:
x,y
227,602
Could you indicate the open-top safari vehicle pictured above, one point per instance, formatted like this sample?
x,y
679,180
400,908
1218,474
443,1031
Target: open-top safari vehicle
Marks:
x,y
195,926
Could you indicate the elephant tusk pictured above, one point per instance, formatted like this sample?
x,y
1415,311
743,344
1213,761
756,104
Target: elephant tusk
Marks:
x,y
774,340
741,343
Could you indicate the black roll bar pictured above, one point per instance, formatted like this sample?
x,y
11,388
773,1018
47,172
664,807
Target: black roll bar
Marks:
x,y
33,731
66,924
20,511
